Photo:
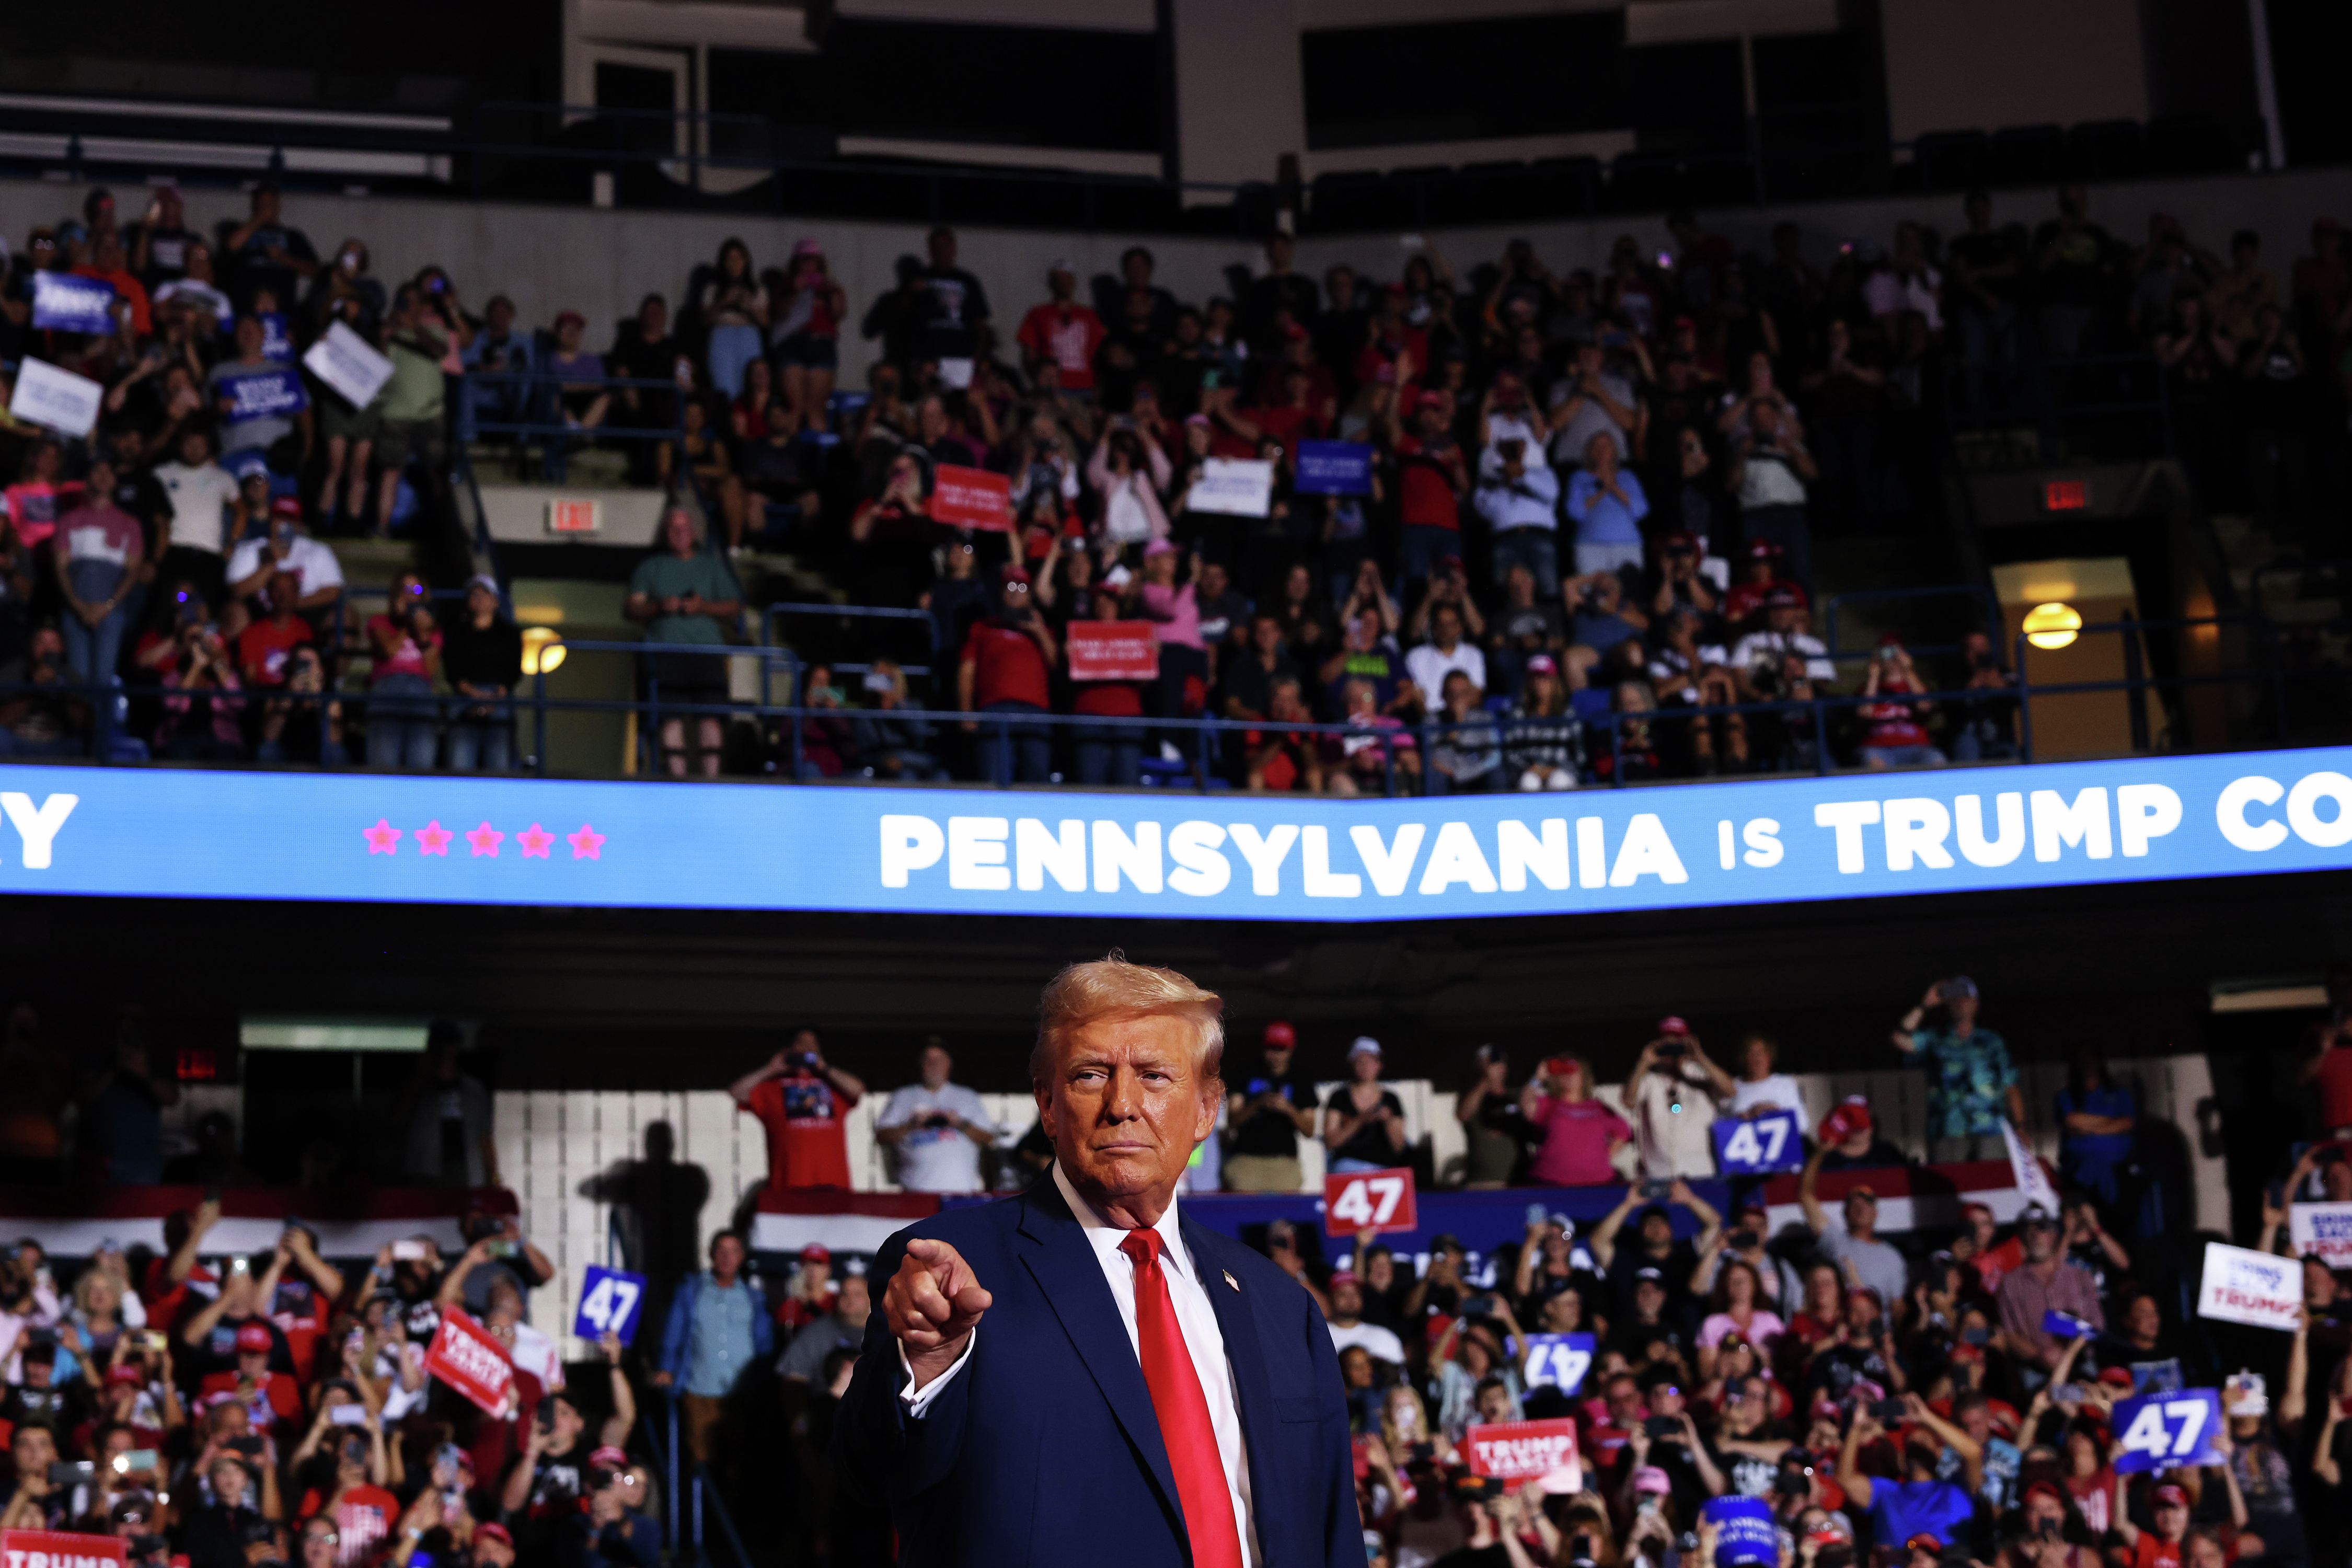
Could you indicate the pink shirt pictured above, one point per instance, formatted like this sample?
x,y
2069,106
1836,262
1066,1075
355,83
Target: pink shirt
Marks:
x,y
1578,1136
1176,610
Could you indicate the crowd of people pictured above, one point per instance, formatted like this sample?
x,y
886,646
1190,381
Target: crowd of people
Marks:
x,y
1585,499
1909,1395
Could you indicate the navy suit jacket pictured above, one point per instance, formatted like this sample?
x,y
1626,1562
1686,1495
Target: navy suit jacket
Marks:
x,y
1043,1450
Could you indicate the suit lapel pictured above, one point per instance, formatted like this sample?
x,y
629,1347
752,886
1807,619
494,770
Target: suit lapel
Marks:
x,y
1067,1269
1238,1323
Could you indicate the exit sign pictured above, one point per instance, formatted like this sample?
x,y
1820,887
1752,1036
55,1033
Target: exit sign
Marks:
x,y
2066,495
569,514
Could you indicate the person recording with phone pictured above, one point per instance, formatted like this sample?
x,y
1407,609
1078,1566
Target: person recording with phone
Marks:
x,y
800,1100
1654,1245
1971,1082
937,1127
1671,1096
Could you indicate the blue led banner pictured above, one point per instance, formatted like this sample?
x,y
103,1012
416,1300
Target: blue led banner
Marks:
x,y
169,832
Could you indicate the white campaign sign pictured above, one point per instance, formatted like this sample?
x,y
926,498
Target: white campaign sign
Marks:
x,y
2033,1182
1235,487
350,364
60,399
2322,1229
2242,1286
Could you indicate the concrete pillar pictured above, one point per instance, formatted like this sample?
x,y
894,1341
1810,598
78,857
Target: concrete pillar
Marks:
x,y
1240,104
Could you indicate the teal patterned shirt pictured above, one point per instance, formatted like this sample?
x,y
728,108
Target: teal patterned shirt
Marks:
x,y
1969,1081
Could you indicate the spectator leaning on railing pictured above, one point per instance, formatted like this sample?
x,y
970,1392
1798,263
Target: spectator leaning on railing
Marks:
x,y
684,594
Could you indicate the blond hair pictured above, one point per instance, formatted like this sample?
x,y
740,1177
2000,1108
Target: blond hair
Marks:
x,y
1111,987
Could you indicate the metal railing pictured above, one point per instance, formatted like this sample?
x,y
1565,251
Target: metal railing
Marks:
x,y
1981,594
1206,764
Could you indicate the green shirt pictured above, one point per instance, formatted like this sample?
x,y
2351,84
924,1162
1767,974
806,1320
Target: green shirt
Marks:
x,y
414,393
666,577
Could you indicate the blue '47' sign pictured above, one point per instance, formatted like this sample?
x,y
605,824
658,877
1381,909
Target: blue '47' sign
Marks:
x,y
1560,1359
2160,1431
610,1302
1754,1148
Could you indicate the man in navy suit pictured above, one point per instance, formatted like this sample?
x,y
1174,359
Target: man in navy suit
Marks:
x,y
1080,1376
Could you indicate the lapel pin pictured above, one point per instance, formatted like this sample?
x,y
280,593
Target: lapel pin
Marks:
x,y
1231,1281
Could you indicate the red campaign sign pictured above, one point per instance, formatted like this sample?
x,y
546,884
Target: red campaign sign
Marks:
x,y
55,1549
463,1356
1368,1201
1113,650
1516,1451
971,498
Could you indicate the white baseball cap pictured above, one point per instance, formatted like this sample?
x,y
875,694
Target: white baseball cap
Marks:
x,y
1365,1045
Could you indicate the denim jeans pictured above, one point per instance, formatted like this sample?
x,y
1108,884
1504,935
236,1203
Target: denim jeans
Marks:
x,y
1537,549
731,349
1003,747
1107,754
1594,558
95,650
1902,757
404,718
481,745
1420,545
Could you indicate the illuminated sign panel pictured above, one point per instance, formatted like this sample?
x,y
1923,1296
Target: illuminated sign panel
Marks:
x,y
154,832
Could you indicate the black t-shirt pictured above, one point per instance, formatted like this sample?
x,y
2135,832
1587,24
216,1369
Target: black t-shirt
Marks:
x,y
952,307
1248,679
1495,1557
167,255
1270,296
1976,251
556,1479
1371,1143
1268,1134
1675,1271
255,271
1879,1155
1223,616
486,655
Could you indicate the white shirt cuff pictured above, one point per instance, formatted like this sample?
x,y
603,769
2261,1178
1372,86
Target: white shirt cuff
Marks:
x,y
917,1401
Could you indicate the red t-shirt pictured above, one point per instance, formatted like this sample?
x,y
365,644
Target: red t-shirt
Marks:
x,y
363,1520
2335,1087
262,647
1110,699
1425,489
1991,1265
2150,1552
806,1146
1068,335
1007,665
1287,426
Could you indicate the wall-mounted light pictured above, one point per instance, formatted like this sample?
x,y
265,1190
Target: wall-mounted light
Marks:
x,y
542,651
2046,625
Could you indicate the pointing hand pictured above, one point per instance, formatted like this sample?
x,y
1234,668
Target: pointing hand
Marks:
x,y
931,1305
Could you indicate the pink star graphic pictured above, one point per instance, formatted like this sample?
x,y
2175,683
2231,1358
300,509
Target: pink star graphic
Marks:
x,y
485,840
535,840
434,839
587,844
383,838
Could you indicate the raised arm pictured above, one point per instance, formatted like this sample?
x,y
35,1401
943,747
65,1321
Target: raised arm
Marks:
x,y
1604,1239
1858,1485
1954,1436
741,1090
1816,1218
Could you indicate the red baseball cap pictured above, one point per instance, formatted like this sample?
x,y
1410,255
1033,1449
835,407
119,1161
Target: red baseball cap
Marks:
x,y
493,1530
1012,571
1281,1034
609,1458
2169,1496
816,1252
286,506
122,1371
252,1337
1673,1027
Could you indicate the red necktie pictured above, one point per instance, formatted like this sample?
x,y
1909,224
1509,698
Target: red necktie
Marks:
x,y
1183,1411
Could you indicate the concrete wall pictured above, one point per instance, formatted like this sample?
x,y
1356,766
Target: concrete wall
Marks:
x,y
2011,62
601,262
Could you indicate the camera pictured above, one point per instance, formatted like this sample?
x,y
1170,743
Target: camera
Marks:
x,y
1673,1050
1741,1240
1661,1426
1476,1488
1887,1409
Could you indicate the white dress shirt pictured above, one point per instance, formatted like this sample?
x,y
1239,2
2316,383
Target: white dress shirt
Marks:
x,y
1194,1315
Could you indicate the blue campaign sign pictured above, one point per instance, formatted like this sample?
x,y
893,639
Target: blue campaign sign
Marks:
x,y
2063,1325
1744,1529
275,395
449,839
1770,1142
610,1302
1560,1359
67,303
1334,468
276,343
2160,1431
